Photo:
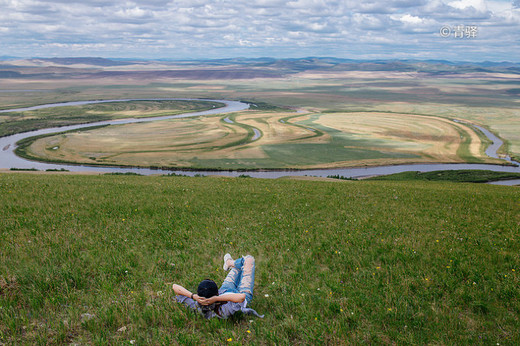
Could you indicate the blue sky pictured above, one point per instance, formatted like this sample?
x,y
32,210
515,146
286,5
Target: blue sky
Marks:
x,y
466,30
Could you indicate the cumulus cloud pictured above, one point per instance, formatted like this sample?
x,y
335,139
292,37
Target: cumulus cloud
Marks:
x,y
409,19
479,5
204,28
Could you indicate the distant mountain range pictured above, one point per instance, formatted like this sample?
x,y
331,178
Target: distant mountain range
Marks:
x,y
234,68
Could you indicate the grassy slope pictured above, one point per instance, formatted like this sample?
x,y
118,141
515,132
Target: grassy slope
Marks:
x,y
353,262
463,175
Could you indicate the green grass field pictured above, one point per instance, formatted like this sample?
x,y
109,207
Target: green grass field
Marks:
x,y
462,176
15,122
91,260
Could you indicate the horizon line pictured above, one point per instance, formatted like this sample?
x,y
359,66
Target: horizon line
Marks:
x,y
9,57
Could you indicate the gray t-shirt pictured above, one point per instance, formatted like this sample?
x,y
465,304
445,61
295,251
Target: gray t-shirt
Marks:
x,y
225,310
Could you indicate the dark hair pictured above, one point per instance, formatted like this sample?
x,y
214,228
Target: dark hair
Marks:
x,y
207,288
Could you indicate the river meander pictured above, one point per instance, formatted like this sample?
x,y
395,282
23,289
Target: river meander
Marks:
x,y
8,159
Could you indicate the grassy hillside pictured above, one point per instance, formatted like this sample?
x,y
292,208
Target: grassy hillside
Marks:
x,y
461,176
91,259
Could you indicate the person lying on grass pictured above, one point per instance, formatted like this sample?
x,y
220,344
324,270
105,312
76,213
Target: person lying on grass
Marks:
x,y
234,295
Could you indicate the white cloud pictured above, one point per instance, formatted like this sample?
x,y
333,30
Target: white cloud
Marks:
x,y
479,5
133,13
261,27
409,19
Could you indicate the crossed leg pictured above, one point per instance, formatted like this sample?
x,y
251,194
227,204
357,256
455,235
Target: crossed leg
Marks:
x,y
241,277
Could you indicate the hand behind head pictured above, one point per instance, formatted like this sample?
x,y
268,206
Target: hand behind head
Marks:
x,y
205,301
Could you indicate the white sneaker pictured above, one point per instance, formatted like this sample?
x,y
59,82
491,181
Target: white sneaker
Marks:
x,y
226,258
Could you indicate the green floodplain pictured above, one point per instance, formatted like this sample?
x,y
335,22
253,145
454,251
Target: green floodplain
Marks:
x,y
16,122
90,259
483,94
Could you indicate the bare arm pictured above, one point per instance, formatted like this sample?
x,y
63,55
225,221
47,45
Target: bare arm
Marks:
x,y
230,297
179,290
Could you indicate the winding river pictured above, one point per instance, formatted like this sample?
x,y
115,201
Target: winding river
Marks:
x,y
8,159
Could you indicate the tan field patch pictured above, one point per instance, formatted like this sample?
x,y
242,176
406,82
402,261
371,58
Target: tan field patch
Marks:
x,y
435,137
177,142
273,130
174,142
357,75
144,143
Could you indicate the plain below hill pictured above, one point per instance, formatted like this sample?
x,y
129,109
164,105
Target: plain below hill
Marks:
x,y
91,260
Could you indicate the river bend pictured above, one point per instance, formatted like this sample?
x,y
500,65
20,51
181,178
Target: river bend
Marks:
x,y
8,159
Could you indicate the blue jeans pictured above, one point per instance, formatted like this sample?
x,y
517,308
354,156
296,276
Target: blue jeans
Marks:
x,y
241,278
